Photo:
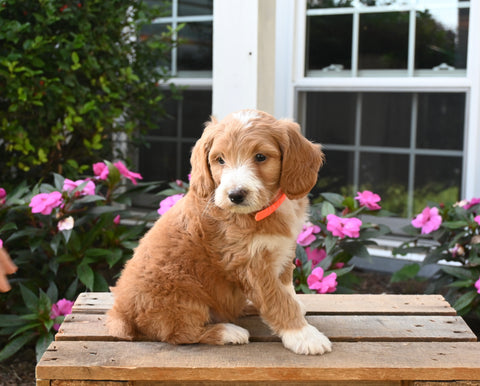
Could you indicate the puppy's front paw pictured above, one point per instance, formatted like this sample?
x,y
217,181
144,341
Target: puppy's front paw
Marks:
x,y
307,340
233,334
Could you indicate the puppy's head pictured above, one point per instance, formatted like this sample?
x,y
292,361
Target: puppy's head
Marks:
x,y
243,161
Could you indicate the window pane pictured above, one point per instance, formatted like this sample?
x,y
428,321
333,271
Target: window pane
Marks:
x,y
312,4
386,119
437,179
386,175
441,120
441,39
336,175
196,110
329,43
383,41
376,3
330,117
165,126
158,161
157,29
195,49
195,7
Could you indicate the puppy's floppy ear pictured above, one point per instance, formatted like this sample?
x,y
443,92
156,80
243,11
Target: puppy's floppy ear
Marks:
x,y
301,161
201,181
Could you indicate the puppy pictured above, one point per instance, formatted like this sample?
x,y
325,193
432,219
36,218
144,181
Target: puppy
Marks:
x,y
229,241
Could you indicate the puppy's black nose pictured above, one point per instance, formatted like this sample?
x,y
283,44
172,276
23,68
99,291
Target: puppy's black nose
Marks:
x,y
237,195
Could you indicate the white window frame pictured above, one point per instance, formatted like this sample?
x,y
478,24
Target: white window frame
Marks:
x,y
291,16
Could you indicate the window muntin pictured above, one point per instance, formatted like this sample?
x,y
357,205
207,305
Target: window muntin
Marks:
x,y
386,149
386,38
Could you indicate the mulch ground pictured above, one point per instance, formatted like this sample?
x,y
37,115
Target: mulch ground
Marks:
x,y
20,370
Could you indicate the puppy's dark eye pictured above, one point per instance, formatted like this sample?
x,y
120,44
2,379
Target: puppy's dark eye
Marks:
x,y
220,161
260,157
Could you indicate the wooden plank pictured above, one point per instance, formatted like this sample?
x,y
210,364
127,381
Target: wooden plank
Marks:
x,y
346,328
266,361
101,302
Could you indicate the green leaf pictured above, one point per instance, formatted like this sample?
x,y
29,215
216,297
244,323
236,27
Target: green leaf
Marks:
x,y
458,272
327,209
335,199
30,299
455,224
10,320
407,272
86,275
42,344
330,242
15,345
355,248
465,300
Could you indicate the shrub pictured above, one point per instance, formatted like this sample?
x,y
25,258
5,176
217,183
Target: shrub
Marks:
x,y
65,238
73,73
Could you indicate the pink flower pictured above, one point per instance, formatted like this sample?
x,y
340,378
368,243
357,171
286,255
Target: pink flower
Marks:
x,y
168,202
306,236
3,195
316,281
88,189
1,243
61,308
368,199
132,176
477,285
116,220
100,169
66,224
477,219
429,220
342,227
316,255
44,203
472,202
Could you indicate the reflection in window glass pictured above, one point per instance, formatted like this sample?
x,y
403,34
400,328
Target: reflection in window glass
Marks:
x,y
441,39
437,179
312,4
195,111
386,119
195,49
331,117
195,7
387,175
383,41
329,42
441,120
336,175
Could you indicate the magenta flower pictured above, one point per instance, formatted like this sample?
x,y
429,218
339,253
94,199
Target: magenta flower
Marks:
x,y
132,176
307,235
323,285
429,220
3,195
342,227
477,219
61,308
88,189
100,169
168,202
368,199
477,285
315,255
472,202
116,220
1,243
44,203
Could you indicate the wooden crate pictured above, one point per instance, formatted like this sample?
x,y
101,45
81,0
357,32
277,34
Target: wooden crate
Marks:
x,y
377,340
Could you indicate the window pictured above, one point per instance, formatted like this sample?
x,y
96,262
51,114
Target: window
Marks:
x,y
166,155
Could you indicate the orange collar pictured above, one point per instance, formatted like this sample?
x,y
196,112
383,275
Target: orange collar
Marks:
x,y
272,208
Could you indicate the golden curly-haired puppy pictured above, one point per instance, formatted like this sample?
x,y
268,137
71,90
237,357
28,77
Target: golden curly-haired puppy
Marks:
x,y
231,238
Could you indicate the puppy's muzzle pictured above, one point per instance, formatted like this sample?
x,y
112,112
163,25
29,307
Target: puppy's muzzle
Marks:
x,y
237,196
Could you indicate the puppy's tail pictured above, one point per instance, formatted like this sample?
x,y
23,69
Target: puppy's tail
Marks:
x,y
118,327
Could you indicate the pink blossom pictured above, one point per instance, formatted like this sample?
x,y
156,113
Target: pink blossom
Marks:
x,y
100,169
168,202
88,189
342,227
1,243
472,202
316,281
477,285
316,255
477,219
132,176
44,203
66,224
429,220
3,195
116,220
61,308
307,235
368,199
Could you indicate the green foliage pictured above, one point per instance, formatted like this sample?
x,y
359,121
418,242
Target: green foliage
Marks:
x,y
73,73
457,241
80,245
